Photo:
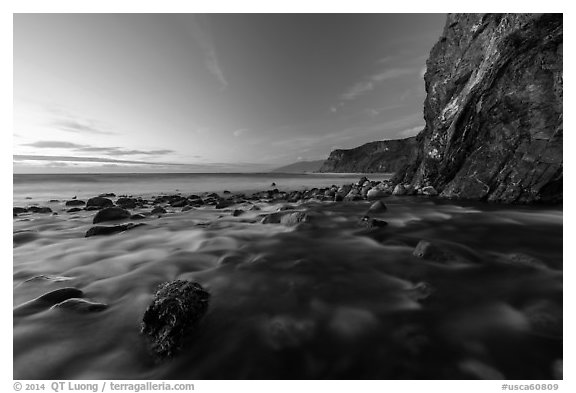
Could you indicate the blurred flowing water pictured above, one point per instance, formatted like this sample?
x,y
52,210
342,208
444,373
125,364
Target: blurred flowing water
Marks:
x,y
324,300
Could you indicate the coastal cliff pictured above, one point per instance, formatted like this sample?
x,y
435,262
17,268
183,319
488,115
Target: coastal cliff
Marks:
x,y
380,156
493,110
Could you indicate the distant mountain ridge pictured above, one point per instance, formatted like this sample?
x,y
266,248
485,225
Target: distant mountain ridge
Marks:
x,y
300,167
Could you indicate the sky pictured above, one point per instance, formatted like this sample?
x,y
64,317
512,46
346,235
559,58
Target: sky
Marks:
x,y
212,92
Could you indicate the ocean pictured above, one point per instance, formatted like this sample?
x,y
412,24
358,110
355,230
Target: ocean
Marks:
x,y
325,299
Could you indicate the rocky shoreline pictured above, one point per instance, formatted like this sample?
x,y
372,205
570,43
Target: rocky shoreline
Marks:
x,y
178,306
108,210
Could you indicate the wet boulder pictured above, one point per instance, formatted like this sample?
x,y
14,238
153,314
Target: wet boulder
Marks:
x,y
99,202
104,230
175,311
79,305
111,214
158,210
376,193
294,218
378,207
37,209
18,210
75,202
399,190
372,223
47,300
430,251
126,203
73,210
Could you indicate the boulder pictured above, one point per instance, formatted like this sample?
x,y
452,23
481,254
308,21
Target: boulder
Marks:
x,y
376,193
294,218
429,190
74,210
18,210
175,311
126,203
399,190
47,300
111,214
372,223
179,203
378,207
36,209
100,202
158,210
103,230
75,202
79,305
430,251
237,212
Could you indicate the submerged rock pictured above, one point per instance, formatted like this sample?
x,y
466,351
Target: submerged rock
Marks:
x,y
294,218
47,300
79,305
100,202
176,309
371,223
18,210
111,214
73,210
430,251
102,230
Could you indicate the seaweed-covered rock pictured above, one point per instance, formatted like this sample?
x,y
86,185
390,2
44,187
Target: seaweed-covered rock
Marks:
x,y
175,311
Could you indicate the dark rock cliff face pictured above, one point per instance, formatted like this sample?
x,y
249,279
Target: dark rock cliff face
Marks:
x,y
381,156
493,110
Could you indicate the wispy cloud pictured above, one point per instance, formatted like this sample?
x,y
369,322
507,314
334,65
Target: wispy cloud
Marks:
x,y
370,83
112,151
203,36
31,157
74,125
